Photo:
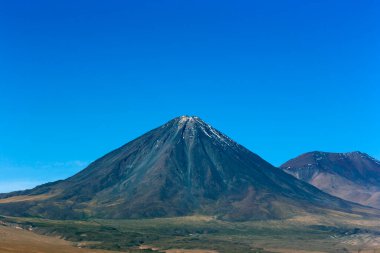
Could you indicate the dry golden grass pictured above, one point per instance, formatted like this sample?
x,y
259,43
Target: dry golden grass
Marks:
x,y
293,251
177,250
13,240
25,198
336,218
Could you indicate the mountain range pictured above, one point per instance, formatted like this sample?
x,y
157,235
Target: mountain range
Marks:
x,y
183,167
353,176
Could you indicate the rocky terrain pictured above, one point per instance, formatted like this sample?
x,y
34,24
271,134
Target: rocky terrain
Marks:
x,y
353,176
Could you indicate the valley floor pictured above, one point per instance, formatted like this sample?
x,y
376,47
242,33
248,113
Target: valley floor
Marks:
x,y
194,234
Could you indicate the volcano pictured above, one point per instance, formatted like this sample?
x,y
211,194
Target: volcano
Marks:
x,y
353,176
184,167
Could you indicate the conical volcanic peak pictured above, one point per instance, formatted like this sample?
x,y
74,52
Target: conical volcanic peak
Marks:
x,y
184,167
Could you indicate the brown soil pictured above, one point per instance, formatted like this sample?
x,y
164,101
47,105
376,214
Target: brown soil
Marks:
x,y
14,240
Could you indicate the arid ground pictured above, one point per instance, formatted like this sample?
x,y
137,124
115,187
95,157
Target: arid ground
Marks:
x,y
192,234
17,240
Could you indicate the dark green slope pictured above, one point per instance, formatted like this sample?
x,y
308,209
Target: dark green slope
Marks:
x,y
181,168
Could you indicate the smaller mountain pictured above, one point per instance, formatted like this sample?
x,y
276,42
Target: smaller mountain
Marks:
x,y
353,176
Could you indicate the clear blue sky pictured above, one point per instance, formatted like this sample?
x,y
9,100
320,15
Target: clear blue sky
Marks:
x,y
80,78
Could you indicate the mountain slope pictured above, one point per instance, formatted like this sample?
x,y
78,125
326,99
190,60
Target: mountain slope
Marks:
x,y
351,176
181,168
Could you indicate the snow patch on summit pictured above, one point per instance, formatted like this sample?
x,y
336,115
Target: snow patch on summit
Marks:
x,y
214,134
193,125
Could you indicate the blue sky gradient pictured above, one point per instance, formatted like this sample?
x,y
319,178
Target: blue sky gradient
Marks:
x,y
80,78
